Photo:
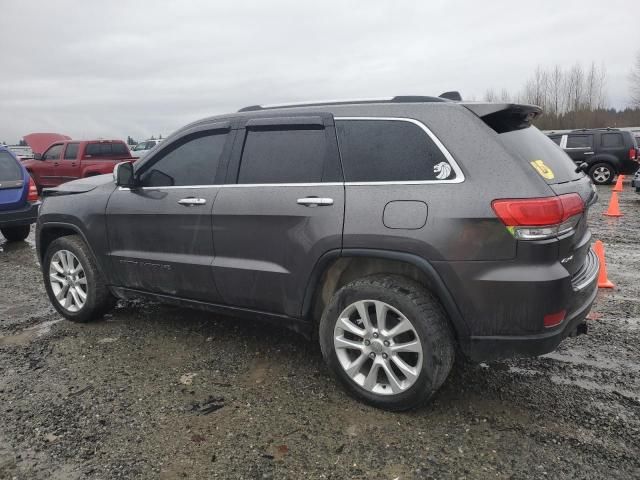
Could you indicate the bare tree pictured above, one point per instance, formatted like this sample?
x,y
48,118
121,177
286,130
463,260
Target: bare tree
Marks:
x,y
556,79
634,79
490,95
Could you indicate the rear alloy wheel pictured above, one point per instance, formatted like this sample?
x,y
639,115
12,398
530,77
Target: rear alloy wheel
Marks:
x,y
602,174
382,356
73,282
388,341
16,234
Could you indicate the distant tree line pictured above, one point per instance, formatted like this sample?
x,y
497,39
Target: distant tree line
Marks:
x,y
574,97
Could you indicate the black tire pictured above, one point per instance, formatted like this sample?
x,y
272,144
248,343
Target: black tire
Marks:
x,y
99,299
425,313
601,170
16,234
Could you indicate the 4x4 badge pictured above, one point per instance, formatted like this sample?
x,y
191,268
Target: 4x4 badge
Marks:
x,y
543,170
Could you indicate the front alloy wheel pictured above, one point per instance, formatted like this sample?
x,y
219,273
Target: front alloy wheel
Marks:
x,y
378,347
68,280
73,282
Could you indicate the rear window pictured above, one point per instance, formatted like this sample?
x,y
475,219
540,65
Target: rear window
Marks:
x,y
10,171
548,159
389,150
556,139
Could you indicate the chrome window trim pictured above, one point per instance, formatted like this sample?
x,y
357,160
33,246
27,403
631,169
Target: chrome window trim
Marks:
x,y
454,165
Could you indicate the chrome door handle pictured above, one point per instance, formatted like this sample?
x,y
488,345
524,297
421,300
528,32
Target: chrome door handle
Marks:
x,y
191,201
315,201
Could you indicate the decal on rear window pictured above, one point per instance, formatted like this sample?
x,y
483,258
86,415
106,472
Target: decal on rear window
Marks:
x,y
542,169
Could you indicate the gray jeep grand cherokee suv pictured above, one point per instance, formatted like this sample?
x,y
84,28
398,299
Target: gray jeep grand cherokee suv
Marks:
x,y
396,232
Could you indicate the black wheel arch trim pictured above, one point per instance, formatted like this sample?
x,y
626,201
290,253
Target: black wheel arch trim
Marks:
x,y
440,289
70,226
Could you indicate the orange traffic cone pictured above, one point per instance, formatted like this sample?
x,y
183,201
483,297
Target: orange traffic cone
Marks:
x,y
619,186
603,281
614,208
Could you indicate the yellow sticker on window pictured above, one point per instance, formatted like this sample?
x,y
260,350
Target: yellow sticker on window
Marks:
x,y
543,170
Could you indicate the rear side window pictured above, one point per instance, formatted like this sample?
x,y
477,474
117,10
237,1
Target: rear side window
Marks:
x,y
283,156
193,160
556,139
10,171
612,140
579,141
389,150
71,152
530,145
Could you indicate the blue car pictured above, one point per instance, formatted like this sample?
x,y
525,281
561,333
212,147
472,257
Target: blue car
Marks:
x,y
19,201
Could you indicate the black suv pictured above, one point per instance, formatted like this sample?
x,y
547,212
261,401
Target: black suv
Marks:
x,y
396,232
607,151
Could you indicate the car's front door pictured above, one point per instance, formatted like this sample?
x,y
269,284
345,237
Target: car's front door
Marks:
x,y
160,234
48,175
281,211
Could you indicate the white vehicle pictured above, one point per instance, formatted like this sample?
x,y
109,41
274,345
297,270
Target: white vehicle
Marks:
x,y
141,149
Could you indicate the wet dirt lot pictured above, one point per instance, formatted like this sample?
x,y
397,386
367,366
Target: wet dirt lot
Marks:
x,y
161,392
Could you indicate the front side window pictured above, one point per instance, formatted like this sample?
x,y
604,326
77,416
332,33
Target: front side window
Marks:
x,y
283,156
71,153
192,160
389,150
579,141
53,153
611,140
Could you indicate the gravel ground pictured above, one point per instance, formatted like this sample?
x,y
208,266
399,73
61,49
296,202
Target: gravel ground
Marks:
x,y
162,392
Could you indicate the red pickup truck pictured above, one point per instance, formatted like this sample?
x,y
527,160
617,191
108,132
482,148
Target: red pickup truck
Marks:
x,y
69,160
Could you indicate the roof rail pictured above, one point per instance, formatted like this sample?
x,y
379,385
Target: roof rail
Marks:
x,y
396,99
605,129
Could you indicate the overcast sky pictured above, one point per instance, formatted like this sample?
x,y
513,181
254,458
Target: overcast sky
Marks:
x,y
90,68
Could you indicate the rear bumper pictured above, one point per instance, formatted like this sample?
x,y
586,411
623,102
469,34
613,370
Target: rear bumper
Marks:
x,y
22,216
505,312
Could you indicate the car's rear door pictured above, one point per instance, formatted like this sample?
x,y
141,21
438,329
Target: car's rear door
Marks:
x,y
282,209
161,234
579,146
69,166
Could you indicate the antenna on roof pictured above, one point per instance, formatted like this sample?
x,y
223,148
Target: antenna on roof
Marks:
x,y
452,95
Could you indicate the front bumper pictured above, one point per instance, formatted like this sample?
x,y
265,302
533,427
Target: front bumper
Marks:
x,y
505,317
22,216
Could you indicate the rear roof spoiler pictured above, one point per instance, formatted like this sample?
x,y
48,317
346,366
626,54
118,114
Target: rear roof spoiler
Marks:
x,y
504,117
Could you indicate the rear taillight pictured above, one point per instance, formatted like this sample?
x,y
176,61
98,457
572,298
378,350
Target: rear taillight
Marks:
x,y
539,218
633,153
32,196
554,319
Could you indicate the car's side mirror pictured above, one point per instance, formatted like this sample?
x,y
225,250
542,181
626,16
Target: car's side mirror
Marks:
x,y
583,167
123,175
37,156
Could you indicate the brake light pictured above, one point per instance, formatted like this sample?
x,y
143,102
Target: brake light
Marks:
x,y
539,218
32,195
553,319
632,153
